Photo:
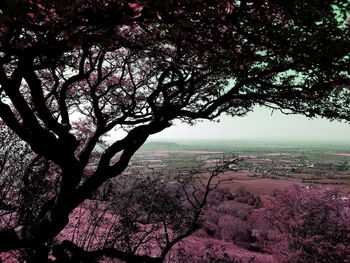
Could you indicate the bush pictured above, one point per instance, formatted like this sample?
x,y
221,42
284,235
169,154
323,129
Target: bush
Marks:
x,y
244,196
311,225
233,229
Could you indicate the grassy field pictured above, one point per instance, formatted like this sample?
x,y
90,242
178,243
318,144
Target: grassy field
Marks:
x,y
316,150
311,162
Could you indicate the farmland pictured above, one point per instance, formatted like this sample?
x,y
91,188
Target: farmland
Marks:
x,y
233,226
263,166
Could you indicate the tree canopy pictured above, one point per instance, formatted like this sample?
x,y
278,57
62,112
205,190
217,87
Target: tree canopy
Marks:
x,y
140,65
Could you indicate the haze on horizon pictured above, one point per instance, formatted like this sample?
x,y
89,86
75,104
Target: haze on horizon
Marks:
x,y
259,124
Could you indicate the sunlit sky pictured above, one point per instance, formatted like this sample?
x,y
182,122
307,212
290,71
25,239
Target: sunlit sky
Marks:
x,y
259,124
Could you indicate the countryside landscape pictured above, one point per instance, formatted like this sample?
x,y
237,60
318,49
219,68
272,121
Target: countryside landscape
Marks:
x,y
263,169
234,224
307,162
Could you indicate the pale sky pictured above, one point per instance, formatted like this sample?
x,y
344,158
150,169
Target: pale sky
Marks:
x,y
259,124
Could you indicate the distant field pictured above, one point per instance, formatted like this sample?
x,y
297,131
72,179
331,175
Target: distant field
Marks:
x,y
262,186
269,164
253,146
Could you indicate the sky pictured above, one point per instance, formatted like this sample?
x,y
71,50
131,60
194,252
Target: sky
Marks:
x,y
259,124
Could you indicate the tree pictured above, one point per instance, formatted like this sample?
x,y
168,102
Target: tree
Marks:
x,y
14,160
142,221
146,215
27,182
311,225
140,65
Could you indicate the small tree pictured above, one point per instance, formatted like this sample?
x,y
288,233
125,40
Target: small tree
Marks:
x,y
142,221
311,225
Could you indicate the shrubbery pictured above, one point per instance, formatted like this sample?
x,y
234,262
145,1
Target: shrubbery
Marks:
x,y
295,225
310,225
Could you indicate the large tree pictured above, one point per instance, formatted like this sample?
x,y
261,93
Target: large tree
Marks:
x,y
139,65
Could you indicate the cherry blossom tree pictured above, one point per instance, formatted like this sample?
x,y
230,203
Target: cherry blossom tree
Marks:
x,y
140,65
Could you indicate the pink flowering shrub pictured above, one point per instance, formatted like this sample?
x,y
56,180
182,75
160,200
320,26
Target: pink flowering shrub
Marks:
x,y
311,225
